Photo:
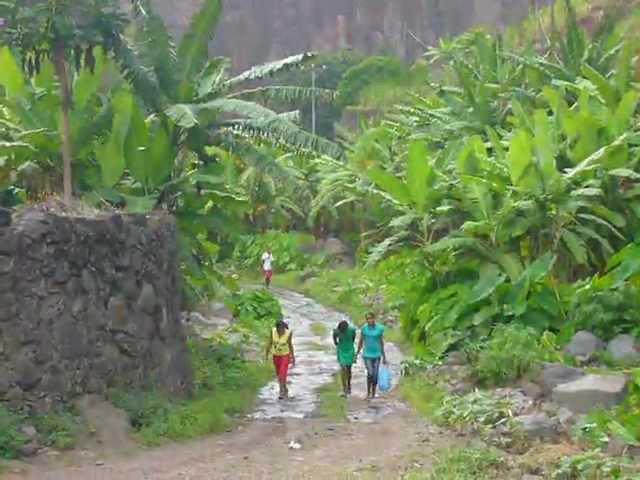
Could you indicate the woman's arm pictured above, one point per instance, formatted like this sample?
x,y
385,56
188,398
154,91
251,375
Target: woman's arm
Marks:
x,y
293,354
269,345
360,344
335,338
384,355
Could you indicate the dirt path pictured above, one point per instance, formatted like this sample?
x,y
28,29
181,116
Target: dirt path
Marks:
x,y
381,439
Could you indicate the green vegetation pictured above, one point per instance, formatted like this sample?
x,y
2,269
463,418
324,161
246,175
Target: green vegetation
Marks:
x,y
423,394
594,466
225,383
510,353
466,463
58,429
332,406
11,439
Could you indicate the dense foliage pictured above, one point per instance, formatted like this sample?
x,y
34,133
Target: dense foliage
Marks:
x,y
506,192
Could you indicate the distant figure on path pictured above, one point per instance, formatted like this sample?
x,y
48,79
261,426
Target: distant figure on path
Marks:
x,y
280,347
267,267
371,339
344,338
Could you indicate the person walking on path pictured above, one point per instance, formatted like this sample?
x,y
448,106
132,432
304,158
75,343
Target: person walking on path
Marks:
x,y
372,341
267,267
280,347
344,338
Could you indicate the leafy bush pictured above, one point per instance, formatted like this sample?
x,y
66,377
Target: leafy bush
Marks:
x,y
257,309
467,464
287,249
369,71
477,410
510,353
59,429
226,384
594,465
11,439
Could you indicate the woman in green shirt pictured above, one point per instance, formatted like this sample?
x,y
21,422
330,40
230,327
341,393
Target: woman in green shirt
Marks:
x,y
344,338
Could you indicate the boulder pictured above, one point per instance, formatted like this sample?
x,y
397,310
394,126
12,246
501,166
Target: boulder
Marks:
x,y
531,390
29,431
554,374
456,358
334,247
590,392
624,349
584,345
537,426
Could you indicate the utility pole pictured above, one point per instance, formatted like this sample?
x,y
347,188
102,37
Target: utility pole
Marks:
x,y
313,99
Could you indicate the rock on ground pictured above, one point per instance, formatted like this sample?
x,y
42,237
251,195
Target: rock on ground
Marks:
x,y
590,392
624,349
584,345
554,374
537,426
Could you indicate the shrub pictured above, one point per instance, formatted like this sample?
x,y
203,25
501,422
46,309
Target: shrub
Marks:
x,y
510,353
11,439
369,71
256,310
477,410
467,464
59,429
594,466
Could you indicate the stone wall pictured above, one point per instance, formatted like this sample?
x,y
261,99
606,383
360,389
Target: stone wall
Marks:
x,y
87,303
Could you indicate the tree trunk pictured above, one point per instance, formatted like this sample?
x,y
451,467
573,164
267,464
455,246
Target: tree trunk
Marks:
x,y
65,133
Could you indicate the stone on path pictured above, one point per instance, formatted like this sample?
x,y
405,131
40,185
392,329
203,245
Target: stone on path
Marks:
x,y
537,426
624,349
590,392
584,345
554,374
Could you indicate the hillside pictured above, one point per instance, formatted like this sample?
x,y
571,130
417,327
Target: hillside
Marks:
x,y
254,31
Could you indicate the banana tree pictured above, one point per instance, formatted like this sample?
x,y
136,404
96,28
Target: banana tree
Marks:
x,y
65,31
32,127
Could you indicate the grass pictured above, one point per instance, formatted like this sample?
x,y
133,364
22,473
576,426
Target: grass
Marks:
x,y
423,395
319,329
332,405
226,385
466,463
58,429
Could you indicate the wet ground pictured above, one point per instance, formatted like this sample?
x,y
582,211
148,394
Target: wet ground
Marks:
x,y
312,326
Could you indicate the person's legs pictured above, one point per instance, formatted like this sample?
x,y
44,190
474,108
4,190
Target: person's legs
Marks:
x,y
348,371
267,277
375,368
343,378
369,364
281,363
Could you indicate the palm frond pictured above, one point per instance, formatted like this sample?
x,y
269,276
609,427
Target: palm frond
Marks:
x,y
266,70
155,44
143,78
286,94
193,51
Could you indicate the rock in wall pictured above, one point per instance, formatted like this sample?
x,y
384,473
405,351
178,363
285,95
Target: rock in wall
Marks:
x,y
87,304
